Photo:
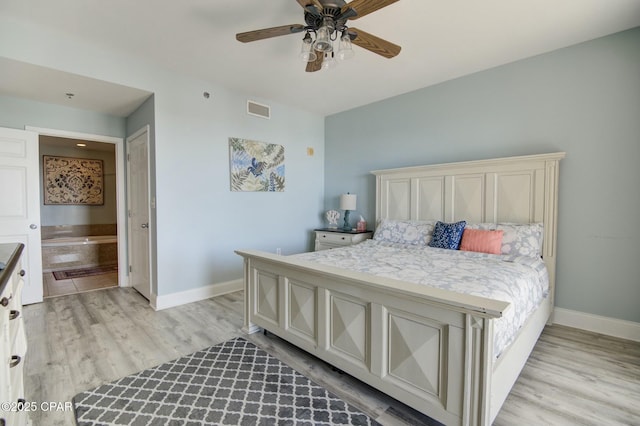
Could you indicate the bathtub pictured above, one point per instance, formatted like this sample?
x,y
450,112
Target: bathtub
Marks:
x,y
71,241
79,252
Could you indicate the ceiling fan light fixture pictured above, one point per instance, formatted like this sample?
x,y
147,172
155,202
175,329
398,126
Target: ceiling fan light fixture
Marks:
x,y
323,39
325,22
306,51
345,50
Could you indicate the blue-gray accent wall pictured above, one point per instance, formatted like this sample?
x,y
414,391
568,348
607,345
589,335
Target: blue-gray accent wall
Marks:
x,y
583,99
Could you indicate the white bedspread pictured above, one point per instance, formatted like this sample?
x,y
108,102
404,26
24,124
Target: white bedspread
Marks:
x,y
521,281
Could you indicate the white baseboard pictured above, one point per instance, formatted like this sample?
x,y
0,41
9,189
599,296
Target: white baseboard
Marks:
x,y
598,324
194,295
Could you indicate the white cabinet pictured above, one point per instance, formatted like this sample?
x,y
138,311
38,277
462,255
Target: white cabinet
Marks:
x,y
332,238
13,340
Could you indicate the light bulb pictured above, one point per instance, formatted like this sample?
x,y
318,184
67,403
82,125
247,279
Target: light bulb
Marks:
x,y
323,42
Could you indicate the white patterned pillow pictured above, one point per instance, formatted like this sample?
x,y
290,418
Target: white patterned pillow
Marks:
x,y
483,226
404,231
518,239
522,240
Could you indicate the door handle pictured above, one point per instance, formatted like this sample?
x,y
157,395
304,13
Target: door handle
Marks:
x,y
33,226
15,360
144,226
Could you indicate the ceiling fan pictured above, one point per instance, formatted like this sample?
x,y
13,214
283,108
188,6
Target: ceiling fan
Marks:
x,y
326,20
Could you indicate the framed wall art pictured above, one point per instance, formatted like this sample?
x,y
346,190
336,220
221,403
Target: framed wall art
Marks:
x,y
73,181
256,166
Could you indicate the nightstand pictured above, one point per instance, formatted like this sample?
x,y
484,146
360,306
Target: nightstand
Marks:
x,y
328,238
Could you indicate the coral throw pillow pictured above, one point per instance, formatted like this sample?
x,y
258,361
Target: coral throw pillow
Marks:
x,y
481,241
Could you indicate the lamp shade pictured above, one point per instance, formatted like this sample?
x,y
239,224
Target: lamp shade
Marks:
x,y
345,50
306,51
348,201
323,40
329,61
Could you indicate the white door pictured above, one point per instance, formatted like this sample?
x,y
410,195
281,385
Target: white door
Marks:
x,y
138,197
20,204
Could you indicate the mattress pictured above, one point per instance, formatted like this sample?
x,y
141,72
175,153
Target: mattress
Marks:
x,y
521,281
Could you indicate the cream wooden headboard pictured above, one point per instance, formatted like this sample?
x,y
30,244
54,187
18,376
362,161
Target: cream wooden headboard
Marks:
x,y
513,189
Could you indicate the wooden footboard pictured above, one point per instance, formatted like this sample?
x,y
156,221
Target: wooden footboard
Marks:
x,y
429,348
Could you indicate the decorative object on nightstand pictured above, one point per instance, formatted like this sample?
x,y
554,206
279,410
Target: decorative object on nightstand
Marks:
x,y
332,217
336,237
347,203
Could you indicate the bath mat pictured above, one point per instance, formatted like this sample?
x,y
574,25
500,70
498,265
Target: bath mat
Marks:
x,y
69,274
233,383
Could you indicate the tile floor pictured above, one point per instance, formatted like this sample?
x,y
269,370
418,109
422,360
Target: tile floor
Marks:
x,y
53,287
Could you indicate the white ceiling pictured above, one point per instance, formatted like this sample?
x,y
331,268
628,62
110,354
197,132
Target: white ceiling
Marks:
x,y
19,79
440,39
58,142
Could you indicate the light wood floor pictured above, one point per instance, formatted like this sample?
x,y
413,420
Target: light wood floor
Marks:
x,y
80,341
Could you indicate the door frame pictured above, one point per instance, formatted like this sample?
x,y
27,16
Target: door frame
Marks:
x,y
150,205
121,206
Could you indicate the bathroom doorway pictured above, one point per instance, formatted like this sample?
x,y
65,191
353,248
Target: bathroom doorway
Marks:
x,y
81,238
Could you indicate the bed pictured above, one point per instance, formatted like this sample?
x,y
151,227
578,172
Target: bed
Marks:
x,y
431,348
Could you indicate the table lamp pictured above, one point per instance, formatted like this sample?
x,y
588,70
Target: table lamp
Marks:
x,y
347,203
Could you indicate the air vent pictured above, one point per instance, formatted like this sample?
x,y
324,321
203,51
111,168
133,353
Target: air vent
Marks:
x,y
259,110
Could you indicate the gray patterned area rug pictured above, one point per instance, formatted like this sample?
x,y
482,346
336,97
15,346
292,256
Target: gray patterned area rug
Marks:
x,y
233,383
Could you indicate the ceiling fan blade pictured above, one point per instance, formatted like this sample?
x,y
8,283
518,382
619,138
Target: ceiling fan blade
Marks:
x,y
374,44
365,7
306,3
269,32
316,65
347,14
